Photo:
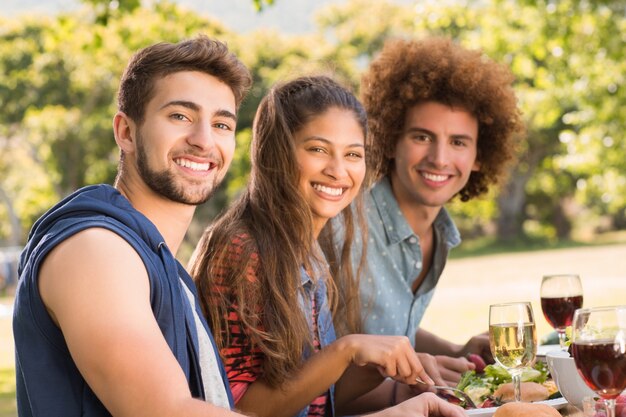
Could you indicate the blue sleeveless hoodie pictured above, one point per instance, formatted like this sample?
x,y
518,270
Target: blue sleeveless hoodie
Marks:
x,y
48,382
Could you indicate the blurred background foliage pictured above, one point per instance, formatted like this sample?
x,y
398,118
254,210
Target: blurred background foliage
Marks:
x,y
59,74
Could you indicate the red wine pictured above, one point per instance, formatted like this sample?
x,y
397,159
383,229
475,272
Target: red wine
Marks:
x,y
602,365
559,311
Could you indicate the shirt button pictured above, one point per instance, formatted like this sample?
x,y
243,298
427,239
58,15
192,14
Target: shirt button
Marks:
x,y
413,240
418,264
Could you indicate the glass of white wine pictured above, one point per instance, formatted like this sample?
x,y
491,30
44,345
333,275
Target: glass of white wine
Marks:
x,y
513,338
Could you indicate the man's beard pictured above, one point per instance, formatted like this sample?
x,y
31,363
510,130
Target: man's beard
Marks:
x,y
164,182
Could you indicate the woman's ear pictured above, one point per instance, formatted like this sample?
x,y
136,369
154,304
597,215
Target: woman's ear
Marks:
x,y
124,129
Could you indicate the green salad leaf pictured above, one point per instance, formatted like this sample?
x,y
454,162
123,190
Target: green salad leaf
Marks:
x,y
481,386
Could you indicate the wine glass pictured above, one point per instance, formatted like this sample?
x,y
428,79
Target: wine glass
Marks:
x,y
599,349
513,338
561,295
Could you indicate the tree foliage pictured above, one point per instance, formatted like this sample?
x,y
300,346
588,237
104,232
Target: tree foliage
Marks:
x,y
568,59
58,78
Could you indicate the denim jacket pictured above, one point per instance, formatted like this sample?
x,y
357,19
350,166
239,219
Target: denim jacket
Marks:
x,y
326,330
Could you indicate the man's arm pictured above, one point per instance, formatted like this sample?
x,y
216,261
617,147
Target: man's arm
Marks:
x,y
428,342
96,289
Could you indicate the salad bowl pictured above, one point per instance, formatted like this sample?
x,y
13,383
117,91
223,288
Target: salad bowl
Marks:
x,y
565,375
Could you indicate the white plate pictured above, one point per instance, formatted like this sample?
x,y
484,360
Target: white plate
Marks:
x,y
557,403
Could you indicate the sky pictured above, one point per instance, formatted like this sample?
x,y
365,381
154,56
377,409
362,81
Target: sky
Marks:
x,y
238,15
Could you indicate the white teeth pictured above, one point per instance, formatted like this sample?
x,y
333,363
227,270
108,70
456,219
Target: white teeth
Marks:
x,y
328,190
192,165
434,177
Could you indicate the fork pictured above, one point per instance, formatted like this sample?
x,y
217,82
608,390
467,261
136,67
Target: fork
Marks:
x,y
457,392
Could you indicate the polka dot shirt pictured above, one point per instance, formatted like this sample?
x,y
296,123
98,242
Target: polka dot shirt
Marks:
x,y
394,260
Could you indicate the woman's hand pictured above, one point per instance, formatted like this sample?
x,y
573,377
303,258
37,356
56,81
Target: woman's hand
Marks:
x,y
393,355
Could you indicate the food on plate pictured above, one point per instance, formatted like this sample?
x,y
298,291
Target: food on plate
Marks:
x,y
483,387
530,392
525,410
478,361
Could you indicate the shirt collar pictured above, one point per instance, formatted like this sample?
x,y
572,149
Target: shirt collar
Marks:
x,y
445,227
396,227
318,269
395,224
305,278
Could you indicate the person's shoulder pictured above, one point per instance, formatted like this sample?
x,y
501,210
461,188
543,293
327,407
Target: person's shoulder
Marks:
x,y
93,242
242,239
381,193
95,265
238,248
91,254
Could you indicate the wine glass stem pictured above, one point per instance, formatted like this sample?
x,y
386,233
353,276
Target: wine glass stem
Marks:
x,y
609,405
562,335
517,380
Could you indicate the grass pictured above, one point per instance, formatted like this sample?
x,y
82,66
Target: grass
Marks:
x,y
489,246
8,406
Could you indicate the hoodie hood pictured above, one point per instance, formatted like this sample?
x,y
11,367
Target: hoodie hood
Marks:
x,y
90,201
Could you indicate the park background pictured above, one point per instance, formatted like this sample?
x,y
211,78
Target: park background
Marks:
x,y
562,209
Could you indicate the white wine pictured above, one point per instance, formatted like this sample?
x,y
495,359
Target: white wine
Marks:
x,y
513,346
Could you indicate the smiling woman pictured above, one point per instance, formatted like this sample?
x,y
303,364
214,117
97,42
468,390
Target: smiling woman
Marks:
x,y
308,163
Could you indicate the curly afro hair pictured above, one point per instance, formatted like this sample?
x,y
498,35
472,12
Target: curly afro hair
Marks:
x,y
408,72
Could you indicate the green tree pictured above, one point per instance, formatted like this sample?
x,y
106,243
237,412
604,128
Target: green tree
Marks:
x,y
57,82
58,77
569,64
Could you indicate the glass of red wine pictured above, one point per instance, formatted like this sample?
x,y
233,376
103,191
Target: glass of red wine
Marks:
x,y
561,295
599,350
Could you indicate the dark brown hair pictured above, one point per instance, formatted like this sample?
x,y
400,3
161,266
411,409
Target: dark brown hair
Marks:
x,y
159,60
408,72
278,239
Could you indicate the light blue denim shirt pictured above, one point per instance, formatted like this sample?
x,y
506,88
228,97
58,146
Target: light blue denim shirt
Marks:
x,y
394,260
316,289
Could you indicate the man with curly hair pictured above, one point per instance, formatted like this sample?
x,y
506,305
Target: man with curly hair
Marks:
x,y
443,119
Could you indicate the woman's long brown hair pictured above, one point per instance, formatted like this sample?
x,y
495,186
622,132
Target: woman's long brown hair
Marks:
x,y
278,239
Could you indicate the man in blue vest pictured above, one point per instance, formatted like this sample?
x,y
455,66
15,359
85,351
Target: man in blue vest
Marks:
x,y
105,317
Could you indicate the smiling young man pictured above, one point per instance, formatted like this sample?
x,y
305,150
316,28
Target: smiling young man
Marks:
x,y
106,320
443,121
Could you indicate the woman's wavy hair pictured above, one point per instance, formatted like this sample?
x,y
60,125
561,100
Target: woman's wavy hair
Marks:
x,y
409,72
272,223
